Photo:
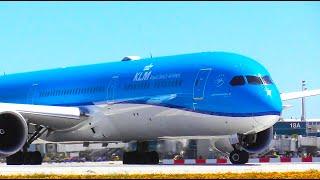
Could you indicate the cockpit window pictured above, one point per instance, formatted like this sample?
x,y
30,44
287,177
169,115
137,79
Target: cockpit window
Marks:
x,y
237,81
254,80
267,80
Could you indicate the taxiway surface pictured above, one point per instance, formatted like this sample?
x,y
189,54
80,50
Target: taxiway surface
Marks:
x,y
118,168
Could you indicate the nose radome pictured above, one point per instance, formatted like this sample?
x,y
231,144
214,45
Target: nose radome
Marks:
x,y
272,101
276,105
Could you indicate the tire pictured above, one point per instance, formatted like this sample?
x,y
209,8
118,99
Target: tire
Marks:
x,y
148,158
15,159
154,157
125,158
27,157
235,157
141,158
36,158
239,157
244,157
129,158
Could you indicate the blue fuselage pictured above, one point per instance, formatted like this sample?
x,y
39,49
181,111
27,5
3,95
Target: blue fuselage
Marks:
x,y
215,83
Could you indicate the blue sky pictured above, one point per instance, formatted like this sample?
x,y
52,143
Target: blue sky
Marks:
x,y
283,36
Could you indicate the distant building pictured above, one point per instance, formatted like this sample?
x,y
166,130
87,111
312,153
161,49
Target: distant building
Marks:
x,y
310,127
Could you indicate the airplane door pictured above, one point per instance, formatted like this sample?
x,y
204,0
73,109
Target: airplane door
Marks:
x,y
32,93
200,84
112,87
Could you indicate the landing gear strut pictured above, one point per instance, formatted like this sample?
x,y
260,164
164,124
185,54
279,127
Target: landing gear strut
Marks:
x,y
141,155
25,157
239,157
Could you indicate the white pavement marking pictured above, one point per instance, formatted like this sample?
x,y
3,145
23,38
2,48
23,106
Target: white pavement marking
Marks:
x,y
190,161
117,168
211,161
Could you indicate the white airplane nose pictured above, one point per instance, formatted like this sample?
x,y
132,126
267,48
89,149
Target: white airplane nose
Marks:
x,y
265,122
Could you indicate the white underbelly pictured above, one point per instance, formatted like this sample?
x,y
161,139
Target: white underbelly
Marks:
x,y
125,122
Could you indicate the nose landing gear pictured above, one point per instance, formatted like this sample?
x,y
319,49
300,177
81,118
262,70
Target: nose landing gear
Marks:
x,y
239,157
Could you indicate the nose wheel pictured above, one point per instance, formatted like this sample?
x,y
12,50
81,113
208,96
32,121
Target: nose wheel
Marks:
x,y
239,157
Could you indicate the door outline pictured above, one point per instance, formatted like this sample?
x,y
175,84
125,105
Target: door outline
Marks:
x,y
32,93
204,83
112,86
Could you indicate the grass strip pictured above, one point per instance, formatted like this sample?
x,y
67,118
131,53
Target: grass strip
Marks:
x,y
311,174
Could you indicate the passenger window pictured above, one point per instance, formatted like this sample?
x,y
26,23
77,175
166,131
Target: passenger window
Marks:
x,y
237,81
254,80
267,80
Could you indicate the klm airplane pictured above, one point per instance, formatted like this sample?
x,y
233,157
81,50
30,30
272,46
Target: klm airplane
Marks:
x,y
225,97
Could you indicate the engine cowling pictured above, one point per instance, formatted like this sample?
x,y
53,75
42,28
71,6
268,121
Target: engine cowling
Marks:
x,y
13,132
252,143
